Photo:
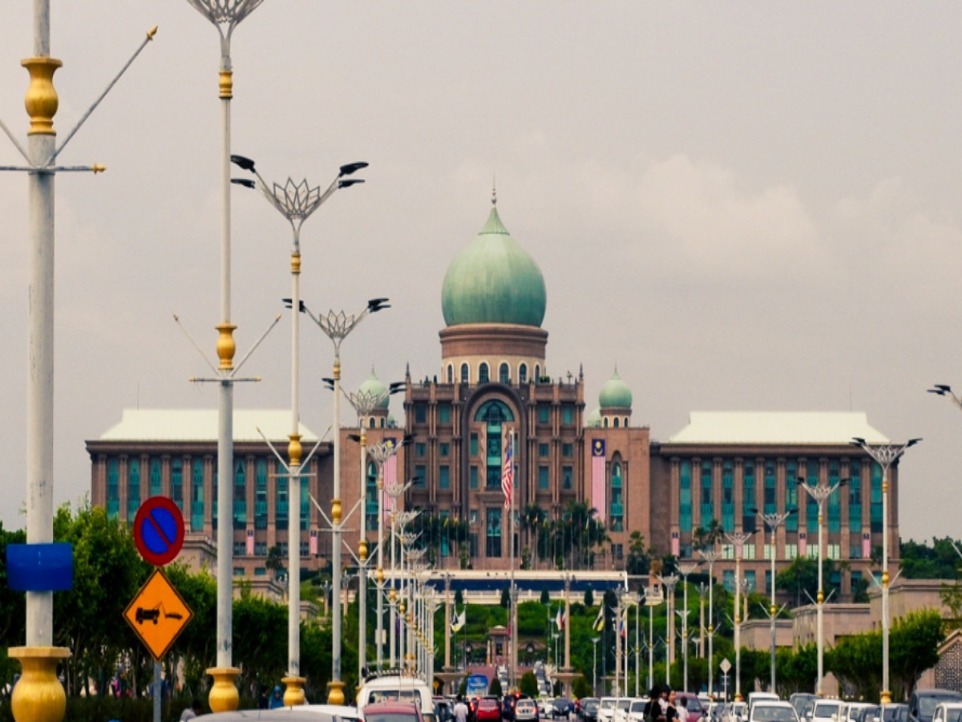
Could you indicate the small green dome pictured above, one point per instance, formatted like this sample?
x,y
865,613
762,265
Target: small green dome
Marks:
x,y
615,394
374,388
493,281
594,419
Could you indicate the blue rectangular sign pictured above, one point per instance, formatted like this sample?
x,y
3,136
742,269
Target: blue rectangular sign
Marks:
x,y
40,567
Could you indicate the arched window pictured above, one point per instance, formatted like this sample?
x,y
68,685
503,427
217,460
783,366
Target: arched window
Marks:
x,y
617,422
616,510
537,374
464,373
450,374
605,422
371,424
504,375
523,374
483,373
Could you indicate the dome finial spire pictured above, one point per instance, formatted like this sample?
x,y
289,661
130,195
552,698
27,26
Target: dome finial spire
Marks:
x,y
494,189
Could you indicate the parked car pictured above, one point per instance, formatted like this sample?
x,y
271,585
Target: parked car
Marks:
x,y
735,712
772,710
589,709
825,710
526,710
861,711
606,709
694,705
896,712
947,712
923,702
636,710
392,712
803,702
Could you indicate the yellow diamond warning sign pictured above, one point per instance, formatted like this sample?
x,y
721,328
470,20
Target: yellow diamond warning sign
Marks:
x,y
157,614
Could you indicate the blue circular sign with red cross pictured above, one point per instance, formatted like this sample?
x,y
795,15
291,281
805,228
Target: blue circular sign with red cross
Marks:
x,y
159,530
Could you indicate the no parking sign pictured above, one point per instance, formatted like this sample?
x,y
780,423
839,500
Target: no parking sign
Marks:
x,y
159,530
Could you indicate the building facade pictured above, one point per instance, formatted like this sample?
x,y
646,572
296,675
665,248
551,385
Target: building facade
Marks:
x,y
571,470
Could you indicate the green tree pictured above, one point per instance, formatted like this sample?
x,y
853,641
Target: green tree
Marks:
x,y
800,578
494,689
581,687
913,648
639,555
589,599
275,561
529,684
706,538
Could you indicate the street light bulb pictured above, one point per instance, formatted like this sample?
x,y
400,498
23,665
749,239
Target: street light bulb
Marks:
x,y
349,168
243,163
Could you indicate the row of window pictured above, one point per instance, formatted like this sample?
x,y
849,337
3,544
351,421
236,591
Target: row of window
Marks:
x,y
762,484
187,476
484,373
444,449
543,414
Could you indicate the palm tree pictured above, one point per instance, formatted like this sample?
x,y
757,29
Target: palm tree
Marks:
x,y
708,538
532,521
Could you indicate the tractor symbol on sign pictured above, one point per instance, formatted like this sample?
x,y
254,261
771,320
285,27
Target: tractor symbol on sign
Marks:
x,y
153,614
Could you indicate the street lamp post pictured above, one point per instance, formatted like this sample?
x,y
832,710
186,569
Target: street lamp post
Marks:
x,y
669,583
296,202
337,325
885,455
225,15
653,597
594,665
737,540
710,556
685,568
775,520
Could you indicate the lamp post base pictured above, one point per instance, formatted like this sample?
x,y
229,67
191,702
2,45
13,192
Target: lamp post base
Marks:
x,y
223,695
294,691
886,696
335,692
38,696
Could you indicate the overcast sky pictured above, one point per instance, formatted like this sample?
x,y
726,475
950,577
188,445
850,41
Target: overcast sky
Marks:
x,y
742,206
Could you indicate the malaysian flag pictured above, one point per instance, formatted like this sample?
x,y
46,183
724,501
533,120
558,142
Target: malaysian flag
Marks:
x,y
312,544
507,472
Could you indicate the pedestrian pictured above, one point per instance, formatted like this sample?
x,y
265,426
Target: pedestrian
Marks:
x,y
671,711
277,698
460,710
192,711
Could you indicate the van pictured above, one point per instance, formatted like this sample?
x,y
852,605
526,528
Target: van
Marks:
x,y
397,688
922,703
754,697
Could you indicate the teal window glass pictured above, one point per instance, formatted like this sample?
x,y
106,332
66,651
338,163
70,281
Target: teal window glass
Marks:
x,y
543,479
474,477
177,481
504,374
281,503
420,450
811,509
420,476
791,495
240,494
728,496
750,579
567,478
567,414
197,495
133,489
156,481
444,450
260,494
875,496
464,373
371,500
567,450
305,510
684,502
544,414
523,374
834,500
771,491
444,413
855,496
444,477
749,505
113,488
543,450
707,507
492,536
483,376
474,444
616,508
420,413
444,541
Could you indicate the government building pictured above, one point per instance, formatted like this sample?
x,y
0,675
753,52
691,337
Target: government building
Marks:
x,y
584,474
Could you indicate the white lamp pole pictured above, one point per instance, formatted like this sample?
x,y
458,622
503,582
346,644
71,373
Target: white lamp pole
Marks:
x,y
296,202
336,325
225,15
710,556
669,583
774,520
737,540
685,568
885,455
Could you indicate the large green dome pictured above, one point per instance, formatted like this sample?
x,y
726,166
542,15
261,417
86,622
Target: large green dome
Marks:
x,y
374,388
615,394
493,281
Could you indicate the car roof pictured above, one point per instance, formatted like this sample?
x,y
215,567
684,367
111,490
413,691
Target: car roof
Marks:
x,y
390,706
282,714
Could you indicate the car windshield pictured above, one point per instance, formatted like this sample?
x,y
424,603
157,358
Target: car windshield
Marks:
x,y
390,717
764,713
624,704
825,709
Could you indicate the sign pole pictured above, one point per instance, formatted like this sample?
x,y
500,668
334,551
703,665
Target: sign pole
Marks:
x,y
157,691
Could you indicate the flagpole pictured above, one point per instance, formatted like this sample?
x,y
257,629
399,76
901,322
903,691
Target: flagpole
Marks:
x,y
514,590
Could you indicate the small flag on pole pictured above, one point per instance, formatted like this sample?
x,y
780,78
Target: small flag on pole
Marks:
x,y
559,619
507,472
599,623
459,620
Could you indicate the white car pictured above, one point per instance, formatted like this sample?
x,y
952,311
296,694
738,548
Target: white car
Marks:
x,y
636,711
826,710
948,712
606,709
772,710
854,711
